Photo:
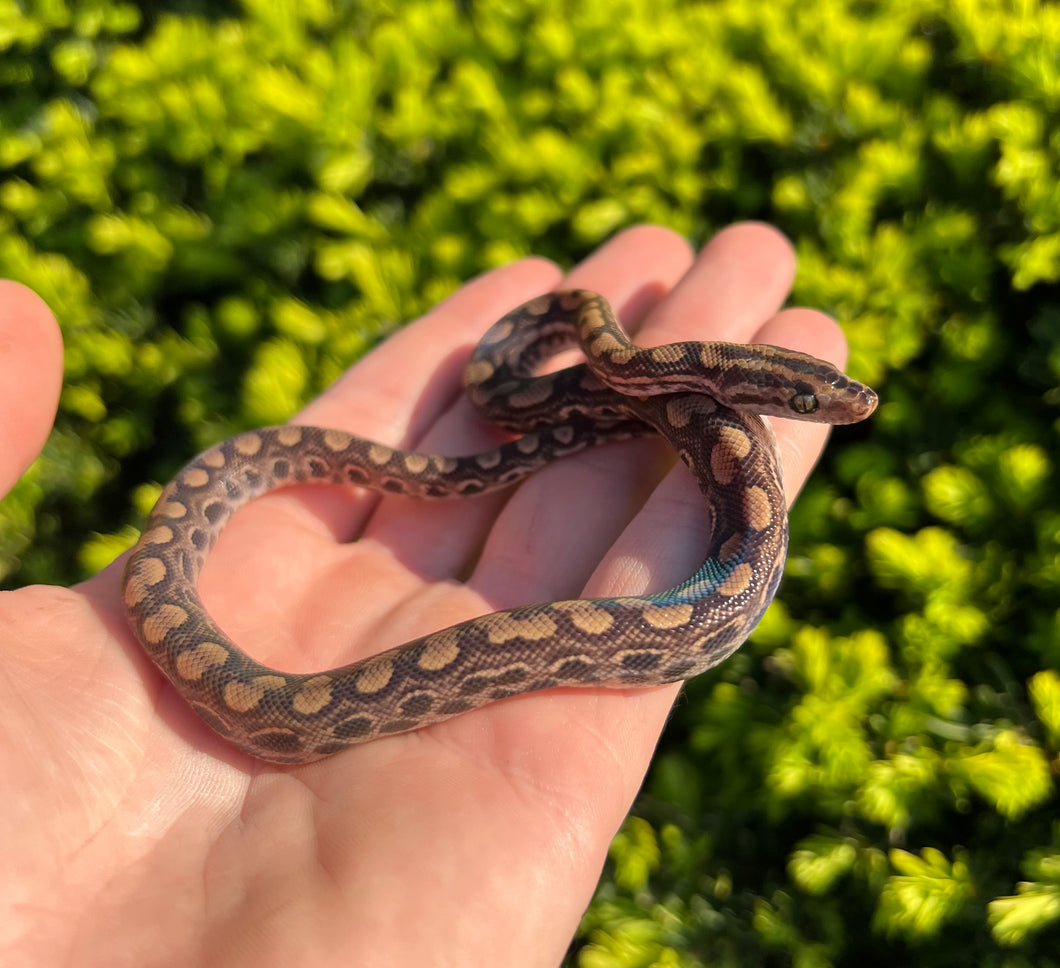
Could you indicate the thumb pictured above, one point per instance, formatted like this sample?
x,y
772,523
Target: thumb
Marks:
x,y
31,373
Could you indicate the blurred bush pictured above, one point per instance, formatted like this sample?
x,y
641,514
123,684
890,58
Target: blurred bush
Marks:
x,y
225,204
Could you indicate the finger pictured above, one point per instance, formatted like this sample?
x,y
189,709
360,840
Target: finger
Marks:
x,y
635,270
602,491
664,544
742,276
31,355
438,539
391,396
733,292
799,441
399,389
560,522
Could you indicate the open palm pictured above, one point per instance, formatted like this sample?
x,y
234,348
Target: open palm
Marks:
x,y
132,836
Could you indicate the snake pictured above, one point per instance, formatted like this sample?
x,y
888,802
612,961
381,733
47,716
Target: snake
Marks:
x,y
707,399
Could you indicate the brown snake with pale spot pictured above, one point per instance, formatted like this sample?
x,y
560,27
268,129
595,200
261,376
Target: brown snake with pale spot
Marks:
x,y
704,398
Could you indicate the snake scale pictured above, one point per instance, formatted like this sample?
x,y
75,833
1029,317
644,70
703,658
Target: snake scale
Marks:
x,y
703,397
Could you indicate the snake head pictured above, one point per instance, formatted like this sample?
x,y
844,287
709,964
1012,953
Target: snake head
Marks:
x,y
834,398
780,382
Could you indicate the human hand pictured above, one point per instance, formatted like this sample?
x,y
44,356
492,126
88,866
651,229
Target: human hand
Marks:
x,y
134,836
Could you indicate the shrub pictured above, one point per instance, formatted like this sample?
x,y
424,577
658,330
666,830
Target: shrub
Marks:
x,y
227,204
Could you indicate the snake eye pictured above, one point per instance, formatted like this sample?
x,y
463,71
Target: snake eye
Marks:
x,y
804,403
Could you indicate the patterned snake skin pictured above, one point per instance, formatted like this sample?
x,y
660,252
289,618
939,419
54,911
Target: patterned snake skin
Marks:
x,y
704,398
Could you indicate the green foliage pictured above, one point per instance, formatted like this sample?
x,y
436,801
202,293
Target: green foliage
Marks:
x,y
927,892
226,208
1015,918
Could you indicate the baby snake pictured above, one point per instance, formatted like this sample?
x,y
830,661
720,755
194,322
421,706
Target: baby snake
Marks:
x,y
704,398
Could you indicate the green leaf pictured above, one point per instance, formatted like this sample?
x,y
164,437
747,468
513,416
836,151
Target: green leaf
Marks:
x,y
635,854
1015,918
1044,689
1014,777
957,496
927,892
819,861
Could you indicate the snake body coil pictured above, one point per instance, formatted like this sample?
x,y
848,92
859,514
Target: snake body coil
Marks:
x,y
704,398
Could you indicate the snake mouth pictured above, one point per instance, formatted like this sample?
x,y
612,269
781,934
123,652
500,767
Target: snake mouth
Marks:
x,y
852,404
866,403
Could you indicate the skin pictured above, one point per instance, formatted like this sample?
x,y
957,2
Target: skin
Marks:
x,y
133,837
